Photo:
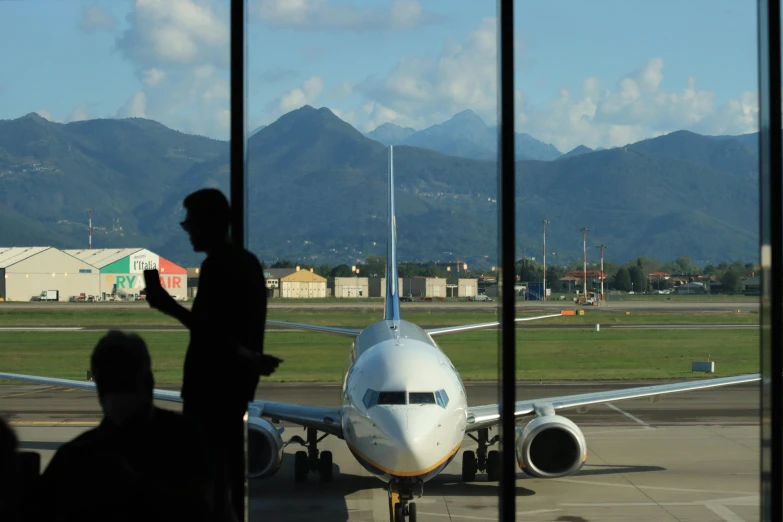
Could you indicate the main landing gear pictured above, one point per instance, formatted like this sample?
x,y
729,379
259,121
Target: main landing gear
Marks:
x,y
482,460
400,505
310,461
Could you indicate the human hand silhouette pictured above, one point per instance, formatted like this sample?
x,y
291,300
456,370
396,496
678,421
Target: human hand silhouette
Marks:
x,y
160,299
264,364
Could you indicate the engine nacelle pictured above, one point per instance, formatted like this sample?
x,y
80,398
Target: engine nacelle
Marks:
x,y
550,447
264,447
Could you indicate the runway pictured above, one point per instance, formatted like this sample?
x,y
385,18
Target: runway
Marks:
x,y
653,305
691,456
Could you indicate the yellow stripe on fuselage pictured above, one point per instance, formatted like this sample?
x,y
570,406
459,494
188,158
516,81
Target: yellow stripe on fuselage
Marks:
x,y
406,473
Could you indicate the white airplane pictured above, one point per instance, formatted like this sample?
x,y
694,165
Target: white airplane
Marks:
x,y
405,414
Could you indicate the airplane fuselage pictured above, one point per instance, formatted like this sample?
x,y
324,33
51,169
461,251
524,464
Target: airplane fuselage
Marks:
x,y
404,404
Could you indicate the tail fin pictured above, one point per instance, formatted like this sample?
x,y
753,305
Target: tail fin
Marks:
x,y
392,309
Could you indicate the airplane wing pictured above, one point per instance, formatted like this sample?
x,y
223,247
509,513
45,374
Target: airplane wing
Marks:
x,y
163,395
327,329
327,420
485,416
464,328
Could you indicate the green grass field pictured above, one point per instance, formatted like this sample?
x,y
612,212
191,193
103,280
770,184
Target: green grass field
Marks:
x,y
145,316
542,354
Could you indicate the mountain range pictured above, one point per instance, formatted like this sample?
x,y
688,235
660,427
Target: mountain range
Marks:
x,y
465,136
317,189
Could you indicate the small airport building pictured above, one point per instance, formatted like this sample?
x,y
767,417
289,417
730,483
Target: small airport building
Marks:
x,y
302,284
421,286
350,287
377,286
27,272
121,271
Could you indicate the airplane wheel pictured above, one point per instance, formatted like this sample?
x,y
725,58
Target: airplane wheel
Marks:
x,y
412,512
493,466
301,466
469,466
325,466
398,516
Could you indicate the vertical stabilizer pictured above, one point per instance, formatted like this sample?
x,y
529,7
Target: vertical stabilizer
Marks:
x,y
392,309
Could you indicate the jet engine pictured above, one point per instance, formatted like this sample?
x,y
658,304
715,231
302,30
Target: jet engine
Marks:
x,y
550,447
264,447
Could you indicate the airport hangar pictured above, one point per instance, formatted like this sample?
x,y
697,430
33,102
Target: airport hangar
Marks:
x,y
26,272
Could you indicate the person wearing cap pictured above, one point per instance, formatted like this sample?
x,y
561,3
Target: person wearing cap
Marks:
x,y
140,463
224,359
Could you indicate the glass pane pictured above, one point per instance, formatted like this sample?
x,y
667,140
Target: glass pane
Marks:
x,y
421,398
637,214
391,398
338,92
110,114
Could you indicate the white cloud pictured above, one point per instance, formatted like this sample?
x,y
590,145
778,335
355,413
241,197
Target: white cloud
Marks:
x,y
152,77
43,113
79,114
94,18
135,107
223,118
305,94
180,49
422,91
176,33
636,108
341,90
328,15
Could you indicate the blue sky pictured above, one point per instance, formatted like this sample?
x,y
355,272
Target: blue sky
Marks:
x,y
601,73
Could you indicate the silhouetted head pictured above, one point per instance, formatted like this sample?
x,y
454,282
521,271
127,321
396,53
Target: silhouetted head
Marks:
x,y
208,218
122,372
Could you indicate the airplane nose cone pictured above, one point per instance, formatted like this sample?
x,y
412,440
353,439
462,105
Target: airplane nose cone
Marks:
x,y
411,438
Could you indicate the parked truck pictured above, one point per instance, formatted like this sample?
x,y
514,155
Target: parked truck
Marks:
x,y
49,295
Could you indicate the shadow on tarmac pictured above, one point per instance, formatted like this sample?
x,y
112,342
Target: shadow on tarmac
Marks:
x,y
314,499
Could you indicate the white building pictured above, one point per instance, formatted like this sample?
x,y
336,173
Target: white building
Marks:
x,y
26,272
351,287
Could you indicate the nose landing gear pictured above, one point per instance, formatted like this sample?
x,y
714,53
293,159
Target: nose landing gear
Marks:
x,y
400,505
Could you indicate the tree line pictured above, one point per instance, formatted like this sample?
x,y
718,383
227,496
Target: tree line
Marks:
x,y
629,276
633,275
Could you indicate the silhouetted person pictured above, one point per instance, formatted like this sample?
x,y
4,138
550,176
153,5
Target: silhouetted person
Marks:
x,y
140,463
9,474
225,354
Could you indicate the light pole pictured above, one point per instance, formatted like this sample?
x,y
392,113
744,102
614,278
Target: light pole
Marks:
x,y
584,248
544,222
601,247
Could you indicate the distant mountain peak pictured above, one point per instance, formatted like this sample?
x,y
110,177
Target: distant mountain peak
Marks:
x,y
577,151
468,116
35,117
390,133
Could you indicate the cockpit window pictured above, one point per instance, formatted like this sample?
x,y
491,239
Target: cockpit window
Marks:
x,y
442,398
391,397
370,399
421,398
373,398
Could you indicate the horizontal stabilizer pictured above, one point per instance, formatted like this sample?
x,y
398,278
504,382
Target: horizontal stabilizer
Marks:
x,y
326,329
466,327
